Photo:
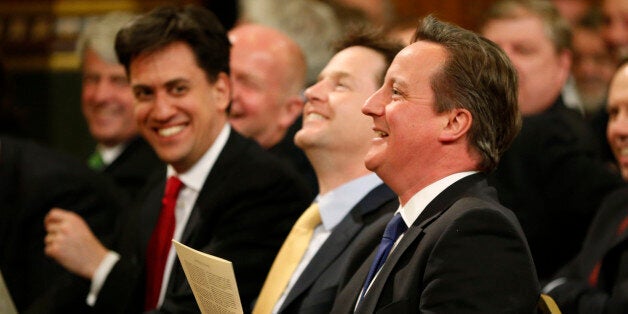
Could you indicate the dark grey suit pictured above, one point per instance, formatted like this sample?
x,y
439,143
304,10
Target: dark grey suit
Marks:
x,y
360,230
465,253
606,243
131,170
553,179
33,179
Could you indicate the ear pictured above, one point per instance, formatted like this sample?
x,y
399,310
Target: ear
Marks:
x,y
565,59
222,91
291,111
458,124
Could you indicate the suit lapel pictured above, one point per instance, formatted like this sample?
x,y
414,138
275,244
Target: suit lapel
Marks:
x,y
338,241
213,189
151,209
327,254
432,211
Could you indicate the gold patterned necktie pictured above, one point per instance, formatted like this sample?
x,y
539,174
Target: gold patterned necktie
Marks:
x,y
287,260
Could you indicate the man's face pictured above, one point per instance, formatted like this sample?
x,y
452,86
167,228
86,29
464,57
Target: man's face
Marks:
x,y
405,121
593,67
331,117
542,71
263,75
258,92
617,131
177,109
107,100
615,30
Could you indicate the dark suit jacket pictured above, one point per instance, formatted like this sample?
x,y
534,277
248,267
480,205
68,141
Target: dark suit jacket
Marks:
x,y
132,169
604,245
33,179
554,180
295,157
360,231
244,211
465,253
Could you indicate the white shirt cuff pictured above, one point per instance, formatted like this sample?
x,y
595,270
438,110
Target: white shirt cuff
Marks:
x,y
100,275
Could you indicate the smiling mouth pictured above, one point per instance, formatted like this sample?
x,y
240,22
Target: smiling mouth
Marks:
x,y
173,130
381,134
314,117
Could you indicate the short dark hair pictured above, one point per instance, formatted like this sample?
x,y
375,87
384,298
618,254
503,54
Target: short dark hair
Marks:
x,y
372,39
194,25
478,76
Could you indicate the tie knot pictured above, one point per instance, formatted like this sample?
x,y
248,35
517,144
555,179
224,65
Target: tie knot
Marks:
x,y
310,218
173,186
396,226
95,161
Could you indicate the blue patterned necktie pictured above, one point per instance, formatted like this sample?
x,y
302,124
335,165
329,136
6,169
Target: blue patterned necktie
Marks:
x,y
394,229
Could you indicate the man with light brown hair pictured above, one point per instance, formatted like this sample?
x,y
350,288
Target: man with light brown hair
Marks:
x,y
446,112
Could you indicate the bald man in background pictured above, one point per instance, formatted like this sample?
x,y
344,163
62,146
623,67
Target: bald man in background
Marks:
x,y
268,76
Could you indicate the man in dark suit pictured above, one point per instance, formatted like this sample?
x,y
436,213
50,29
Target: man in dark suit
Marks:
x,y
34,178
446,112
596,281
335,137
226,195
107,104
553,176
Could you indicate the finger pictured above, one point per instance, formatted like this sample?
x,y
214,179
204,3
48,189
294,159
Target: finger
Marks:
x,y
55,216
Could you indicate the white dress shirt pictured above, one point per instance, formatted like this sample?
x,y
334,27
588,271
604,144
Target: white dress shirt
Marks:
x,y
109,154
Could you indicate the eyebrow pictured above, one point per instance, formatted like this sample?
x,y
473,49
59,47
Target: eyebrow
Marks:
x,y
168,84
174,82
335,75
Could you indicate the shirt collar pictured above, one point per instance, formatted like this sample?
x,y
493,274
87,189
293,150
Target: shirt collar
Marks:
x,y
415,206
110,153
335,204
195,177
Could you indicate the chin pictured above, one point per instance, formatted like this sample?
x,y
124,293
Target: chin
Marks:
x,y
371,163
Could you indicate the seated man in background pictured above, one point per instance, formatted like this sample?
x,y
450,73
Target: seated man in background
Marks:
x,y
553,176
268,75
596,281
443,117
107,104
353,204
220,192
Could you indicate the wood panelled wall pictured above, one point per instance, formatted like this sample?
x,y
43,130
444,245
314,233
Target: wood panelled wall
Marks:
x,y
466,13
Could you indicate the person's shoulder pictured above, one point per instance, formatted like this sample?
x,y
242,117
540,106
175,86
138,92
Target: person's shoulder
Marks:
x,y
259,167
33,155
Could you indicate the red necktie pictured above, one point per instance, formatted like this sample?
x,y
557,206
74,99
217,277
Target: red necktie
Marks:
x,y
159,244
594,276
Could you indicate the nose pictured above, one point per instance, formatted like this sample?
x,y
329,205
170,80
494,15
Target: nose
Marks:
x,y
103,92
316,92
163,109
374,105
